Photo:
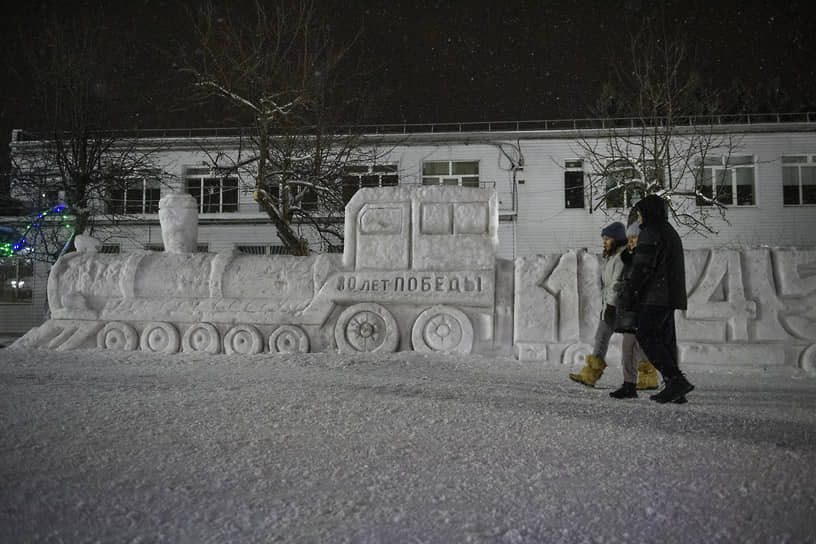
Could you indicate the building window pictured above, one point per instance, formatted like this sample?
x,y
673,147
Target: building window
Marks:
x,y
50,198
623,184
799,179
574,184
200,248
16,280
309,200
136,196
214,193
263,249
654,175
462,173
728,181
628,181
373,175
111,249
308,196
272,189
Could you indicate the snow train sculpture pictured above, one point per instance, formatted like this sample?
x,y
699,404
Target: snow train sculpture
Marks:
x,y
417,272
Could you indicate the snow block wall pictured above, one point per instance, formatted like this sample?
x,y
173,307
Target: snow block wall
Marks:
x,y
746,308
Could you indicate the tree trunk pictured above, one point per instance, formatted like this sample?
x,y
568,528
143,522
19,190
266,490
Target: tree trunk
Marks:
x,y
290,239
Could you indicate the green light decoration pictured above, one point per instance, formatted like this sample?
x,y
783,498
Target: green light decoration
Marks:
x,y
35,240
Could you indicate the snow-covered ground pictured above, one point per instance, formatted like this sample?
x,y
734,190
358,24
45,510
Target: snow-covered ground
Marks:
x,y
140,447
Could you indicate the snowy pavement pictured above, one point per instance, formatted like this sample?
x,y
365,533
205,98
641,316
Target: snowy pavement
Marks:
x,y
135,447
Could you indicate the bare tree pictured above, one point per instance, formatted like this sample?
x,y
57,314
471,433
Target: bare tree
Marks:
x,y
73,156
281,68
659,136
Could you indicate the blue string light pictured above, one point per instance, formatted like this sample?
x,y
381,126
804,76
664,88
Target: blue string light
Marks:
x,y
59,208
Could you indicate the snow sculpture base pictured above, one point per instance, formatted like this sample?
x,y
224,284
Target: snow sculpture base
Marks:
x,y
419,272
748,308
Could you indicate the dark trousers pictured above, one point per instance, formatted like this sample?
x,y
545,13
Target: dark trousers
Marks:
x,y
658,339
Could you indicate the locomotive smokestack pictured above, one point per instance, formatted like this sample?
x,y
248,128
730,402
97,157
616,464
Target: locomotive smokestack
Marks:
x,y
178,215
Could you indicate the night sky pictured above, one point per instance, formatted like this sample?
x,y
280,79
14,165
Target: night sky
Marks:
x,y
451,61
459,61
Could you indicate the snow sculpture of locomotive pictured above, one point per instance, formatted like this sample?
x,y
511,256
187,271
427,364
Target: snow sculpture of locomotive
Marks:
x,y
417,272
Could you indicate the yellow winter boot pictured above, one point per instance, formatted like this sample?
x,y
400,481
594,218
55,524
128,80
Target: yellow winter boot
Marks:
x,y
647,375
591,373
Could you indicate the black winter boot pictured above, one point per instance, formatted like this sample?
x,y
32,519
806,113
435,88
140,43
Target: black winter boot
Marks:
x,y
676,388
627,391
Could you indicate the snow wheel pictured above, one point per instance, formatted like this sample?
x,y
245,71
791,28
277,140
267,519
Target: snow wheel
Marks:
x,y
807,361
575,354
288,339
117,335
201,337
443,329
160,337
366,327
244,339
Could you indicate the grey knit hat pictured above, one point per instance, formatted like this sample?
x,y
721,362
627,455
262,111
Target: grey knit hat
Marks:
x,y
634,229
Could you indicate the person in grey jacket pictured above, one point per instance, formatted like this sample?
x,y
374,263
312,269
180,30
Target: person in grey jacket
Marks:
x,y
656,288
614,241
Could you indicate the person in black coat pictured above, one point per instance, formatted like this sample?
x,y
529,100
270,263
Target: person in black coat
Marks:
x,y
656,288
638,372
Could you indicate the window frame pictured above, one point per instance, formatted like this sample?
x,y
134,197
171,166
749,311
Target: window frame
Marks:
x,y
16,283
714,170
799,162
159,247
631,192
110,249
204,175
262,249
452,177
309,200
571,168
367,175
119,203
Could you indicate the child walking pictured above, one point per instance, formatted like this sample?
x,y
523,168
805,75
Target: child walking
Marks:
x,y
614,242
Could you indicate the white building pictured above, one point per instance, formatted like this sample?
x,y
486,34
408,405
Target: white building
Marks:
x,y
540,171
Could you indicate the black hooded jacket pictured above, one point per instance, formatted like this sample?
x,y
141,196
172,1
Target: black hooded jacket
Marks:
x,y
658,274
